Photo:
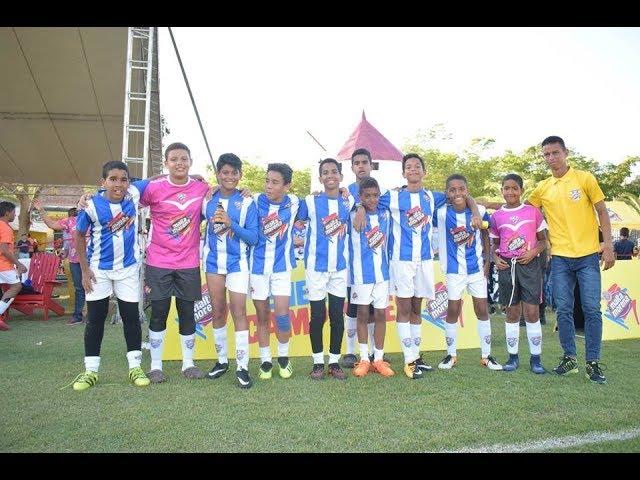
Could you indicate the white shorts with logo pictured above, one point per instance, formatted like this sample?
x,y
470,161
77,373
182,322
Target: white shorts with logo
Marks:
x,y
124,283
476,284
237,282
270,284
376,293
321,283
10,277
412,279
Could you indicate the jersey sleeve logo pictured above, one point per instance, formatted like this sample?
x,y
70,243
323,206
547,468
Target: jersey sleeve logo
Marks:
x,y
375,238
120,222
272,225
333,227
416,218
460,235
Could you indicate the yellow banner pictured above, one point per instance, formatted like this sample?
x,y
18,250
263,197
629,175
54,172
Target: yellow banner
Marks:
x,y
300,344
619,299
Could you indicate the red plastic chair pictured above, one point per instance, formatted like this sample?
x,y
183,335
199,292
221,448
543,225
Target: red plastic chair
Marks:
x,y
42,273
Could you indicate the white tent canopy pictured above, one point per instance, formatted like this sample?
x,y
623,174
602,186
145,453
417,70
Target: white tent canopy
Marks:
x,y
61,103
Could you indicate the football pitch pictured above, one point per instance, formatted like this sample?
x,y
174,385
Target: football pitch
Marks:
x,y
466,409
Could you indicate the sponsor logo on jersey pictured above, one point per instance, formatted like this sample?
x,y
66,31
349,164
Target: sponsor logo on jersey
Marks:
x,y
416,218
460,235
120,222
272,224
333,227
375,238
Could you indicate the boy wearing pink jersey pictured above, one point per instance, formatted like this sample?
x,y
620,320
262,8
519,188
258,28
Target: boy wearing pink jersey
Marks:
x,y
173,256
518,234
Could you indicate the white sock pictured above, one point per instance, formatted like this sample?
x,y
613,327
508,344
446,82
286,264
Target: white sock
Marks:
x,y
512,332
372,342
4,305
333,358
188,343
484,332
364,351
221,344
406,342
451,335
534,335
92,363
265,354
242,349
378,355
350,325
283,349
416,336
318,357
156,345
134,357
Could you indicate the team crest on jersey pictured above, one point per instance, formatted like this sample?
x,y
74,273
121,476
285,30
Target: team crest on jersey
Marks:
x,y
416,218
516,243
272,224
180,225
619,305
238,204
575,194
460,235
333,227
181,197
375,238
514,219
121,221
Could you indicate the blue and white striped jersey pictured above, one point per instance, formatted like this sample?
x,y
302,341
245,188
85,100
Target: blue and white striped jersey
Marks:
x,y
326,246
274,251
412,214
368,253
113,244
454,230
226,249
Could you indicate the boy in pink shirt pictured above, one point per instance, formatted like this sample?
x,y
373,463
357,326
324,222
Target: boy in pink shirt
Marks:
x,y
518,234
173,256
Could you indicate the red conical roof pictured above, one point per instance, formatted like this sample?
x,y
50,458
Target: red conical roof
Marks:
x,y
366,136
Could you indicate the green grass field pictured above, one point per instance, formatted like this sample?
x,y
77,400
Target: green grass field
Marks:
x,y
468,407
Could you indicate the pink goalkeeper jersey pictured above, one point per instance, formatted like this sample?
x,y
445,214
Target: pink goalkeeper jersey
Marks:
x,y
174,238
516,228
69,227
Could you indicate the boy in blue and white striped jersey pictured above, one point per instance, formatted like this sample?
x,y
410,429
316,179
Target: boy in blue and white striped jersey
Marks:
x,y
326,257
464,260
271,262
111,265
369,277
232,227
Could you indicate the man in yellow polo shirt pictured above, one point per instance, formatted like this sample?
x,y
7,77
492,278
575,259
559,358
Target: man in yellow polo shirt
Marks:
x,y
568,198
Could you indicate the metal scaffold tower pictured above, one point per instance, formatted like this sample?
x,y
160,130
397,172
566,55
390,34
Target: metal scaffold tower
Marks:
x,y
141,135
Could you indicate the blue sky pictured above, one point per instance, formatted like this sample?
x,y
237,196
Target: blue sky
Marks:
x,y
259,89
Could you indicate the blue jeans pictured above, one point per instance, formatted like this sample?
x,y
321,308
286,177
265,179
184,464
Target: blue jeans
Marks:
x,y
564,272
76,276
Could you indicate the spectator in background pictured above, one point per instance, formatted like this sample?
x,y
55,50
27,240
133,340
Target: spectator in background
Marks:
x,y
33,245
68,226
23,246
624,247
